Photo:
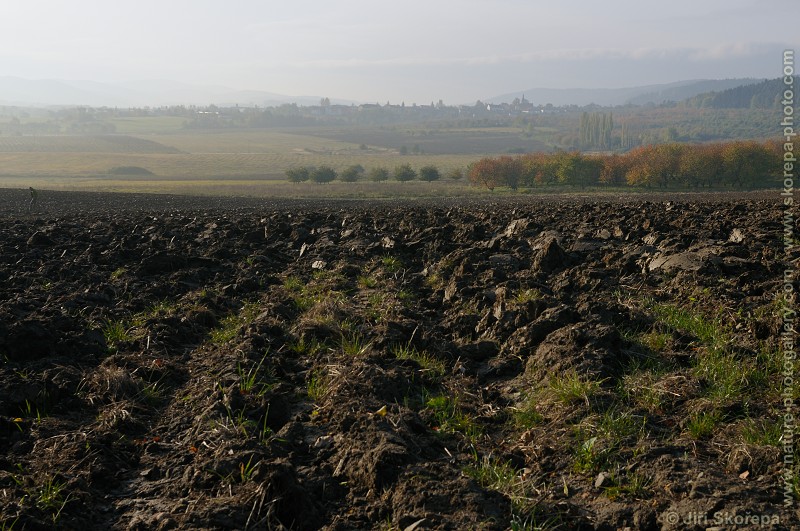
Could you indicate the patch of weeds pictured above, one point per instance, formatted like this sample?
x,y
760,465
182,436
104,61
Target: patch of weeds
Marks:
x,y
365,282
405,297
570,388
240,422
318,385
526,415
230,325
709,331
246,470
163,307
617,426
702,424
301,347
725,375
249,380
634,484
266,432
392,264
449,418
331,277
304,302
590,457
762,433
160,309
8,525
376,311
19,479
525,296
638,385
768,367
639,390
431,367
50,497
498,475
31,411
115,332
353,344
294,284
502,477
655,341
534,521
152,393
322,288
435,281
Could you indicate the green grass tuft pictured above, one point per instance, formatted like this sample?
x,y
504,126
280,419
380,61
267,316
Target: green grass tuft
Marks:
x,y
432,367
702,424
449,418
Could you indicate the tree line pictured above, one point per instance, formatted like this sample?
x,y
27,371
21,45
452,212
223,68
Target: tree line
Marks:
x,y
595,130
356,172
742,164
764,95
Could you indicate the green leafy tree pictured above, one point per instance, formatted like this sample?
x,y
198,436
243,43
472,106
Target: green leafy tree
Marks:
x,y
404,173
575,169
352,173
455,174
510,171
297,175
746,163
378,174
539,169
429,173
701,165
323,174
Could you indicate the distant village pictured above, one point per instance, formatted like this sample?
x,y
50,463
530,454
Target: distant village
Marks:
x,y
96,120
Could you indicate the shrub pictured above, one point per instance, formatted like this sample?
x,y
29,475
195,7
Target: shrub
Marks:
x,y
297,175
404,173
429,173
352,173
379,174
323,174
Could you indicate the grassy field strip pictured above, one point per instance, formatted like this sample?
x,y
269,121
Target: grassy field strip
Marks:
x,y
148,124
244,188
208,165
249,142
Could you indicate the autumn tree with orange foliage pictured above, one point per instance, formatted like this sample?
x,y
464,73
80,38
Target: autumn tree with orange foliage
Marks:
x,y
484,173
539,169
742,164
613,171
702,166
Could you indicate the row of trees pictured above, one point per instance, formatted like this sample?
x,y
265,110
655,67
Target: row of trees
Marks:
x,y
596,129
744,164
402,173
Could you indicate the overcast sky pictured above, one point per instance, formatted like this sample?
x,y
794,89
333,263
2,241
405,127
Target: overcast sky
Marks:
x,y
412,51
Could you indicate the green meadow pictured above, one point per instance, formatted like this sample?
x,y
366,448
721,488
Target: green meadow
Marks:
x,y
236,162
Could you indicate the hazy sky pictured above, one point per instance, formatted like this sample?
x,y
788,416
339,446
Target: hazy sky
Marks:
x,y
378,51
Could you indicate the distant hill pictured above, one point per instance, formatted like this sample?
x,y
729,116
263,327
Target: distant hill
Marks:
x,y
655,94
680,93
153,93
764,95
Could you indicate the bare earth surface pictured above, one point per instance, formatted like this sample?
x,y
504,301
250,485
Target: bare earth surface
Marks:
x,y
219,363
